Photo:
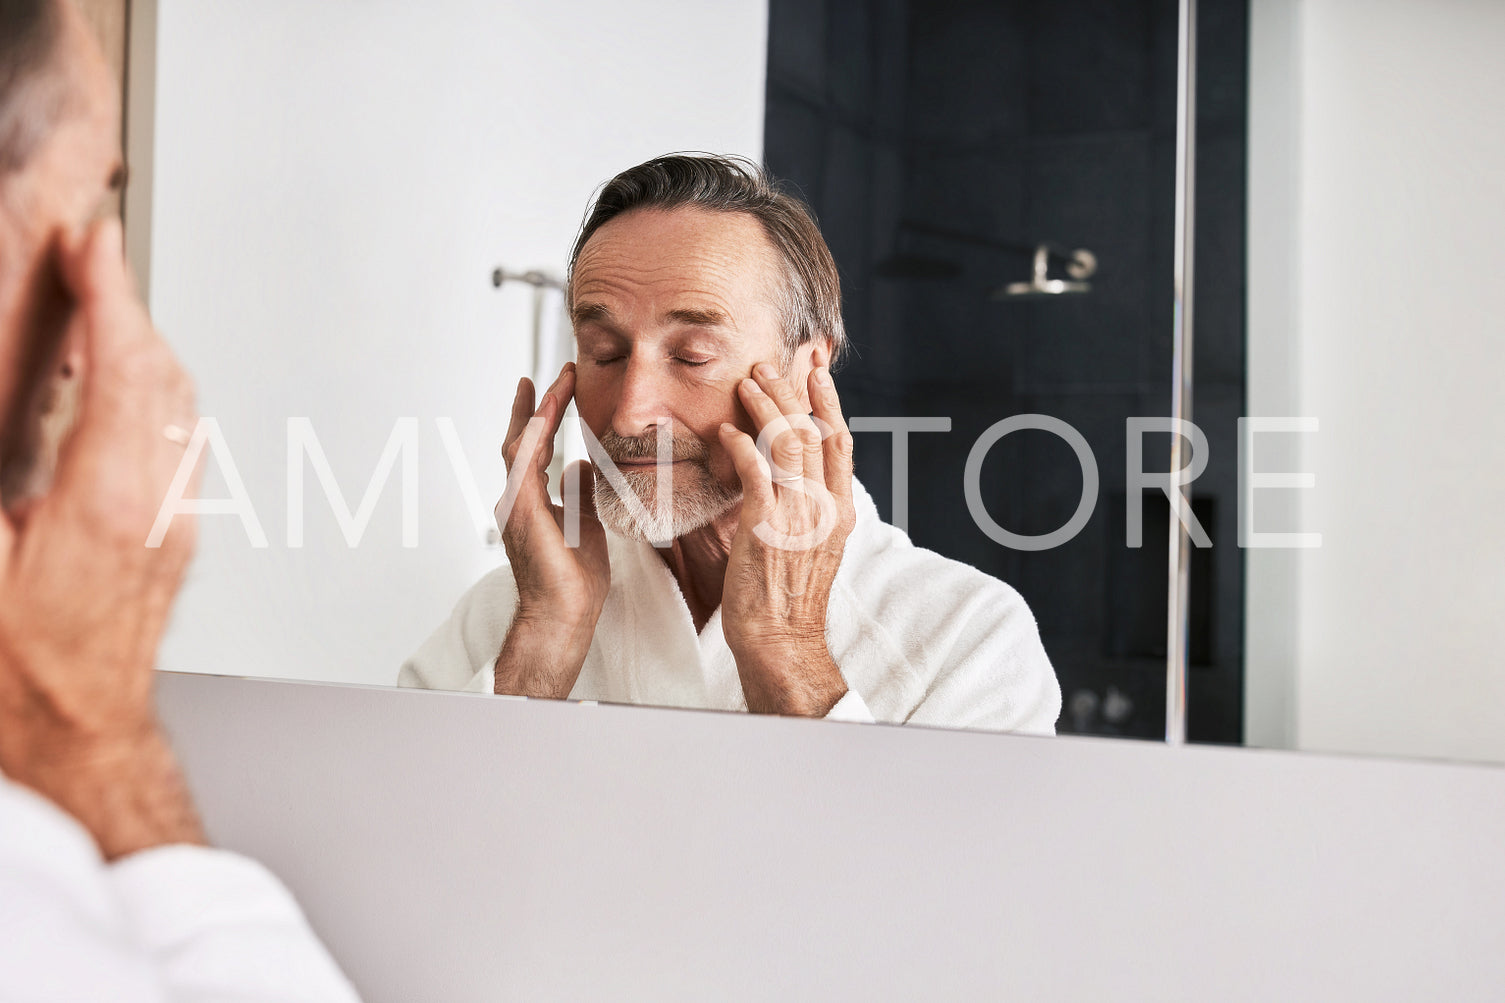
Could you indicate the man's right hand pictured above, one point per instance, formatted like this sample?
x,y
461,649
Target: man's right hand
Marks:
x,y
560,589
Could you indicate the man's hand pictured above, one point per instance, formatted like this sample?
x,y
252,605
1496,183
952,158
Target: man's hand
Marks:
x,y
560,589
796,517
83,601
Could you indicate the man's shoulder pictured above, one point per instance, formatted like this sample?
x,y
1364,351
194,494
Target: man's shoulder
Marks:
x,y
882,561
31,826
496,586
483,613
934,641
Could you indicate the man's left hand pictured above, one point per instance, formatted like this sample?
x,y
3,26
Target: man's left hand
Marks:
x,y
83,600
797,513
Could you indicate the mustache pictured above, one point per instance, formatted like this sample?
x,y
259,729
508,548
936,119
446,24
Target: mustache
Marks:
x,y
645,447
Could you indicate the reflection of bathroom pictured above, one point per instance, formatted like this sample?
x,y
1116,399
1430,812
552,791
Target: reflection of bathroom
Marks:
x,y
996,181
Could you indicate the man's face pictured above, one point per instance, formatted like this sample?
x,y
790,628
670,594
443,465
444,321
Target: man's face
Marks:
x,y
68,181
672,309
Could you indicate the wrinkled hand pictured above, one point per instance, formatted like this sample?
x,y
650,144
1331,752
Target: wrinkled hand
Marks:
x,y
797,513
560,588
83,600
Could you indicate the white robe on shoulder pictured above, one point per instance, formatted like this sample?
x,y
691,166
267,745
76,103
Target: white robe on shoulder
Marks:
x,y
919,638
187,924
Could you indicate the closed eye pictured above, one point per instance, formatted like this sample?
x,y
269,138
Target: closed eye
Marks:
x,y
692,363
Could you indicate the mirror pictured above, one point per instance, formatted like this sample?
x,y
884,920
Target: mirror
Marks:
x,y
359,214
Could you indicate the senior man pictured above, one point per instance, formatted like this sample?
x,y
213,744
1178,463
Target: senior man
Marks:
x,y
707,313
107,891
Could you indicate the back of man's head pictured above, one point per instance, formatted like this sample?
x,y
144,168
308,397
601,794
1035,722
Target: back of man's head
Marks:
x,y
32,91
810,301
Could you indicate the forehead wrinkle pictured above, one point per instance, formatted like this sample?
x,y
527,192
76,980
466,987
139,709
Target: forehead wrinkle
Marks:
x,y
693,305
637,264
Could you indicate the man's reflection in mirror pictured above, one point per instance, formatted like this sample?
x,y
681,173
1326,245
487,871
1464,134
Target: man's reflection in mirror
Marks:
x,y
707,314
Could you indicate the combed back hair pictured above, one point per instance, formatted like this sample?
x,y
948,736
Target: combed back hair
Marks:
x,y
31,92
810,297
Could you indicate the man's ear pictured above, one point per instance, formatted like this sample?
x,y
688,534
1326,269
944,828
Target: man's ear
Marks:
x,y
820,353
809,357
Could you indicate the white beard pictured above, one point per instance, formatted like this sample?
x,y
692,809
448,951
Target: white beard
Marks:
x,y
690,507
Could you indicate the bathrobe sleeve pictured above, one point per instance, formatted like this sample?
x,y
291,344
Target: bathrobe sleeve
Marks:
x,y
173,923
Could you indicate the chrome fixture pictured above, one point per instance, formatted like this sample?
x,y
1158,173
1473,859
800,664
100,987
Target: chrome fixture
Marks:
x,y
548,318
534,278
1179,559
1081,265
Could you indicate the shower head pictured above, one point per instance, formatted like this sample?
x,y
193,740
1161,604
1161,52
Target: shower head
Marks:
x,y
1033,289
1081,265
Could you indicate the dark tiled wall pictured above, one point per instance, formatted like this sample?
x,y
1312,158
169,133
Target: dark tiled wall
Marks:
x,y
1010,122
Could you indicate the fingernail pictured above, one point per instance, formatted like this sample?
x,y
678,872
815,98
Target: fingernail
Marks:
x,y
823,376
752,385
767,371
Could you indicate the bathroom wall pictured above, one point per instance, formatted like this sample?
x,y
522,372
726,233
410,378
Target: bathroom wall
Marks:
x,y
334,183
1020,122
1376,234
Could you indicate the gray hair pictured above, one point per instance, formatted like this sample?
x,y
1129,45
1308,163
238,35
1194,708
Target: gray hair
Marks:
x,y
32,95
810,300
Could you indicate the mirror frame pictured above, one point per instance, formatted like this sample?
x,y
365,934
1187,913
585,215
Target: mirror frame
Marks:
x,y
1178,602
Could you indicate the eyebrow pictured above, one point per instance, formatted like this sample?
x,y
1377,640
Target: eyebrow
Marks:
x,y
698,318
584,312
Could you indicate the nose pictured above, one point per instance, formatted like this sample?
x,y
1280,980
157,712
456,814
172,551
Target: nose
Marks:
x,y
642,399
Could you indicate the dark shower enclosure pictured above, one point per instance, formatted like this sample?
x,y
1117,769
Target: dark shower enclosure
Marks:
x,y
939,143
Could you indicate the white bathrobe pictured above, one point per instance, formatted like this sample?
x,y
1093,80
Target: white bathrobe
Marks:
x,y
179,923
919,638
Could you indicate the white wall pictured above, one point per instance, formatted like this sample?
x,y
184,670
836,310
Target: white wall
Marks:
x,y
1376,222
333,184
